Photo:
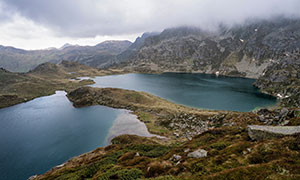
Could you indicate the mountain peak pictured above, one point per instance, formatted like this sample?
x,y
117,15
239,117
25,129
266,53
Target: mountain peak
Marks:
x,y
45,68
65,46
114,42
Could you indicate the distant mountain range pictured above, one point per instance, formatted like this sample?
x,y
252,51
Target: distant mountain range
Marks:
x,y
20,60
243,50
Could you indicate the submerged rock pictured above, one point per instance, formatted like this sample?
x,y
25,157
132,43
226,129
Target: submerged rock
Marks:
x,y
257,132
200,153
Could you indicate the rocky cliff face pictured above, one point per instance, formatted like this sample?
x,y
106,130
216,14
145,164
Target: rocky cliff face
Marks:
x,y
244,51
282,79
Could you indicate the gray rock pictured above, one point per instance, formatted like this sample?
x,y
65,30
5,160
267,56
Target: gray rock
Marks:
x,y
257,132
187,150
200,153
176,134
284,112
176,157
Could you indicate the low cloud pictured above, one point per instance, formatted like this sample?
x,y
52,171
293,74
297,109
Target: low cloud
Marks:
x,y
38,24
89,18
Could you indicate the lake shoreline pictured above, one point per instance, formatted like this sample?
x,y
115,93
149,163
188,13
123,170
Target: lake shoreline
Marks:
x,y
128,123
14,99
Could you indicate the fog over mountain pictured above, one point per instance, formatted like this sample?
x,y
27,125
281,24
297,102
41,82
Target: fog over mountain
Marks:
x,y
36,24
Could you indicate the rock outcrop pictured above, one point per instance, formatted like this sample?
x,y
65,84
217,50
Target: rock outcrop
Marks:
x,y
257,132
282,79
277,116
200,153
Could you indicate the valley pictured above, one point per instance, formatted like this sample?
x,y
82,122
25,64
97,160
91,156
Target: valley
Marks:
x,y
189,87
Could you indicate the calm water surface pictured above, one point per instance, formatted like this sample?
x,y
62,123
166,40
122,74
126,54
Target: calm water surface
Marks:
x,y
196,90
45,132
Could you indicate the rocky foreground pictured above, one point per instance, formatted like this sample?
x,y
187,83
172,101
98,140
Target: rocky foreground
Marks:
x,y
201,144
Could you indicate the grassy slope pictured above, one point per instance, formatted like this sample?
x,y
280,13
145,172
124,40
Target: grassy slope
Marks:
x,y
231,155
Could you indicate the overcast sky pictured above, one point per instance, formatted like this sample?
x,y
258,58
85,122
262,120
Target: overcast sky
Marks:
x,y
38,24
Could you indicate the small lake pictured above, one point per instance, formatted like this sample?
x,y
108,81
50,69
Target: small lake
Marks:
x,y
195,90
45,132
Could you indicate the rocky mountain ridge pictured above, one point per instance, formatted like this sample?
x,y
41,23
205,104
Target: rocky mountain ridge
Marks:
x,y
19,60
244,51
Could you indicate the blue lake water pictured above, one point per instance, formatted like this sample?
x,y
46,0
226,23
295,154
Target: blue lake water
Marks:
x,y
45,132
196,90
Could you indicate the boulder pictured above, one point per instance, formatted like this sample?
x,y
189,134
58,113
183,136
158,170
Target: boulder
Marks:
x,y
257,132
200,153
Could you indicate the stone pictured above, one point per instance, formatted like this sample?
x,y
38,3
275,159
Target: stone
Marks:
x,y
284,112
187,150
176,157
257,132
200,153
171,125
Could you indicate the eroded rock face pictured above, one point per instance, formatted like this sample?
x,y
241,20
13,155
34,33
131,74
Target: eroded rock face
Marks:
x,y
277,116
200,153
257,132
282,79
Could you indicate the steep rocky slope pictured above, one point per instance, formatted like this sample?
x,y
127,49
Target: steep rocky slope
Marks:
x,y
244,51
282,79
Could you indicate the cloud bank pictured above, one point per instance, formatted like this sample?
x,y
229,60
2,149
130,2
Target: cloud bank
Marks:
x,y
91,18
